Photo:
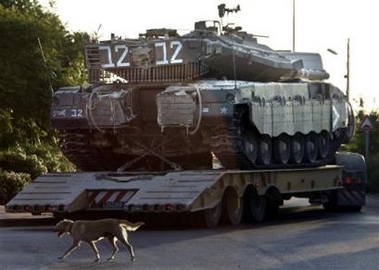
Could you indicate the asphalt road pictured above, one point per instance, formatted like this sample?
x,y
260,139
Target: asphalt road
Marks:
x,y
300,237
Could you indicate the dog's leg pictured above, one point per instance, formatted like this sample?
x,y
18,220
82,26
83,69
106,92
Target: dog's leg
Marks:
x,y
74,246
124,240
94,248
112,240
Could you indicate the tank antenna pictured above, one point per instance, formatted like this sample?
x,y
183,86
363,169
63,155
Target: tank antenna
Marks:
x,y
222,9
221,13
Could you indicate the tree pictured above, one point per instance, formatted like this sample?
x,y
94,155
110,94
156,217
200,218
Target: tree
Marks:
x,y
37,55
23,5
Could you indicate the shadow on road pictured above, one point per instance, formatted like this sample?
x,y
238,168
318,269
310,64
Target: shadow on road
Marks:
x,y
289,214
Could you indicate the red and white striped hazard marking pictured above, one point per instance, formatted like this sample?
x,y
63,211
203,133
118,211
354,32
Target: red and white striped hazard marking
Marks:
x,y
107,198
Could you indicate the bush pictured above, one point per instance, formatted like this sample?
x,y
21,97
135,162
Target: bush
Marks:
x,y
51,157
11,183
373,173
16,160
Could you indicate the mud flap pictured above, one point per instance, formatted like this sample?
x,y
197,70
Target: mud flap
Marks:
x,y
351,196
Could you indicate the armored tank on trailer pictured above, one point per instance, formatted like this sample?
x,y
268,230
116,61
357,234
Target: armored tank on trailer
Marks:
x,y
168,101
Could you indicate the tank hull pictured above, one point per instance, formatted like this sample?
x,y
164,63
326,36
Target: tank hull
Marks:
x,y
108,127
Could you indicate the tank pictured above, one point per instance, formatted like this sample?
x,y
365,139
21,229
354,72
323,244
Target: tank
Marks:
x,y
167,101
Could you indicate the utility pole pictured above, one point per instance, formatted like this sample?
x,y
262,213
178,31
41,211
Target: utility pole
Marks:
x,y
347,76
293,24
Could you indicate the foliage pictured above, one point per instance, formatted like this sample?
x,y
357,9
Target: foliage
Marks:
x,y
11,183
25,5
37,55
373,173
34,160
18,161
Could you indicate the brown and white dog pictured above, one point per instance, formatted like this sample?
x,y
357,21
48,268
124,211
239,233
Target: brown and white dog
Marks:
x,y
91,231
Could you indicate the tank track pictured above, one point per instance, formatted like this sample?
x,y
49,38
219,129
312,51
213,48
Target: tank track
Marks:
x,y
229,150
227,147
75,146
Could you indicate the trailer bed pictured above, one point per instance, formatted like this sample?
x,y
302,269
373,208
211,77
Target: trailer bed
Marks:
x,y
155,192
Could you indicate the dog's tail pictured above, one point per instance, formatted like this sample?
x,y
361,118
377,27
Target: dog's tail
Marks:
x,y
130,226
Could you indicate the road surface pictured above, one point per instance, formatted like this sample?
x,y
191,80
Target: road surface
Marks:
x,y
300,237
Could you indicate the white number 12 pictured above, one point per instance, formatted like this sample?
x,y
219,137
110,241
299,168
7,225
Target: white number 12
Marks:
x,y
174,59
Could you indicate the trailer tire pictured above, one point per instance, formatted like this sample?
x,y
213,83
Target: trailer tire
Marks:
x,y
254,205
273,201
208,217
232,207
331,204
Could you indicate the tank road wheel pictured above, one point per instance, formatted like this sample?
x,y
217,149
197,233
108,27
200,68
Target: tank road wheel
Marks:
x,y
323,144
250,146
232,207
264,150
282,149
297,148
311,147
254,205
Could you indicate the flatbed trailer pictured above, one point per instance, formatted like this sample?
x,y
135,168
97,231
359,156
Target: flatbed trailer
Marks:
x,y
213,196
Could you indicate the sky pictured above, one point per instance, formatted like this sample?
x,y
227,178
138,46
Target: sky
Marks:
x,y
319,25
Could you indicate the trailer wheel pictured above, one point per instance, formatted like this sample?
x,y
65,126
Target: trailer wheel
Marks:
x,y
254,205
232,207
208,217
273,201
